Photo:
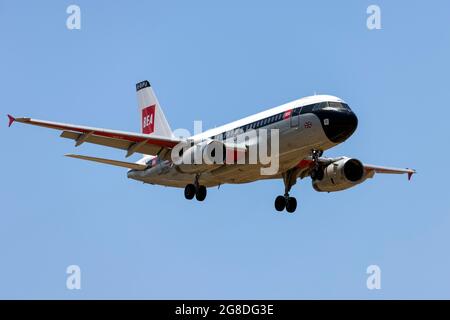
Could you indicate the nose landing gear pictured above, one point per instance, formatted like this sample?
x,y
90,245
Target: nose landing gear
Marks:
x,y
317,171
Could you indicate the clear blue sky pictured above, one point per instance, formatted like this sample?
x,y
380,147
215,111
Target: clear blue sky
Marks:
x,y
218,62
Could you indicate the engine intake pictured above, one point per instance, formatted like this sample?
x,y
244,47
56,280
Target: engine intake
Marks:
x,y
353,170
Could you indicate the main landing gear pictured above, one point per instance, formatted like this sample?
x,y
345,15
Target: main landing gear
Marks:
x,y
196,190
287,202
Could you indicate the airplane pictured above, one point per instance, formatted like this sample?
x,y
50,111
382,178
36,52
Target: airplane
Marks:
x,y
306,127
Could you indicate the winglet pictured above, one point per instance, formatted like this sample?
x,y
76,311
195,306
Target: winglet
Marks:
x,y
410,174
11,120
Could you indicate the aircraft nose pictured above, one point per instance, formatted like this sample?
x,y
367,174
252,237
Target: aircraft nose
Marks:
x,y
340,125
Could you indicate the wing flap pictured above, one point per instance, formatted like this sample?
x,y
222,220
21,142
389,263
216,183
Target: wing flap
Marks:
x,y
123,164
113,143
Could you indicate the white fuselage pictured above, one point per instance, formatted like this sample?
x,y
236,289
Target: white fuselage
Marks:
x,y
299,133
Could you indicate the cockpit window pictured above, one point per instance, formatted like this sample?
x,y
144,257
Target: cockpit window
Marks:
x,y
346,106
338,105
326,105
320,106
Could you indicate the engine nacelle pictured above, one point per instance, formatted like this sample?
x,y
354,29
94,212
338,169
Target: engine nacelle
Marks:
x,y
200,157
206,155
340,175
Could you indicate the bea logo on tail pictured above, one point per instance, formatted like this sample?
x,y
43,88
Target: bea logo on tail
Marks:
x,y
148,119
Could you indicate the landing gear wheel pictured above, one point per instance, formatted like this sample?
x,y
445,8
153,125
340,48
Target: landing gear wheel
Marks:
x,y
291,204
280,203
189,191
200,195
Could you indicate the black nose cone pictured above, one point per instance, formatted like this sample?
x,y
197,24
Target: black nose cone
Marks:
x,y
338,125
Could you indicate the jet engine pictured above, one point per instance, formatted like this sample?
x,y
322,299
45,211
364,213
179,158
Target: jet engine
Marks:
x,y
340,175
206,155
199,157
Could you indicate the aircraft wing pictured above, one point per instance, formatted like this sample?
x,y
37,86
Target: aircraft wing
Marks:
x,y
129,141
306,164
380,169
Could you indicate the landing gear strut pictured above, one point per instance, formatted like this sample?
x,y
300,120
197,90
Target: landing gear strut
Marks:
x,y
285,201
195,189
317,171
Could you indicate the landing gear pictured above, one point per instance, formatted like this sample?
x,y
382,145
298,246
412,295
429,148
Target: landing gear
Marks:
x,y
317,171
189,191
291,204
196,190
200,195
280,203
287,202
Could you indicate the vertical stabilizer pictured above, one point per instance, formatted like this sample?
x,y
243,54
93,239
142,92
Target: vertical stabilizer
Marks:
x,y
151,114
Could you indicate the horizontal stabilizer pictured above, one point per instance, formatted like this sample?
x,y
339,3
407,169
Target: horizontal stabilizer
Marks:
x,y
124,164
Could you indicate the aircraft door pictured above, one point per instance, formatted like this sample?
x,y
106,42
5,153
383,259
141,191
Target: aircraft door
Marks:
x,y
295,118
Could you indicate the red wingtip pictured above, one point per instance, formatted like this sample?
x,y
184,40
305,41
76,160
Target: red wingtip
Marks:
x,y
11,120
